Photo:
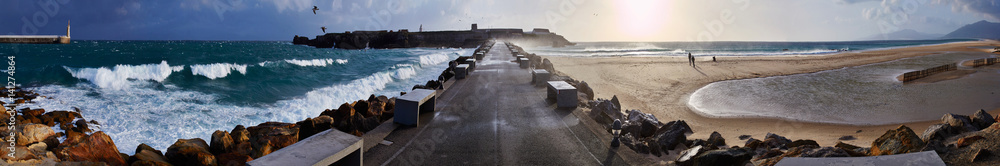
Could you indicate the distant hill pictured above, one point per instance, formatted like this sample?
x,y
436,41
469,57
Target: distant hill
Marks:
x,y
906,34
979,30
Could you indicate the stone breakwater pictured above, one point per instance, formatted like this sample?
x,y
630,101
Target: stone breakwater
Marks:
x,y
38,142
436,39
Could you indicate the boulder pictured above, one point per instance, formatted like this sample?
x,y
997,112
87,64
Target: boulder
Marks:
x,y
686,156
81,126
605,111
898,141
938,132
847,138
801,142
642,124
221,143
775,141
345,110
19,153
361,106
240,135
960,122
279,134
715,139
97,147
966,141
981,119
585,89
852,150
547,65
754,144
768,154
233,159
734,157
146,155
671,134
63,117
190,152
744,137
32,133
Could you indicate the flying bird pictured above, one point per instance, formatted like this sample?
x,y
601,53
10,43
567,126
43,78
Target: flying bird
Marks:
x,y
323,28
315,9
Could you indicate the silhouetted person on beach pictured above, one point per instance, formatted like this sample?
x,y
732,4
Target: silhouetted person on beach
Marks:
x,y
713,59
690,59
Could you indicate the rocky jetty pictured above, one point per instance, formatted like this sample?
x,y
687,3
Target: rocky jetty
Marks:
x,y
435,39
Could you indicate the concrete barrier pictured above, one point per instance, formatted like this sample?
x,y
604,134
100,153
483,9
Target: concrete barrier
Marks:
x,y
540,77
330,147
461,71
564,93
472,64
525,63
408,106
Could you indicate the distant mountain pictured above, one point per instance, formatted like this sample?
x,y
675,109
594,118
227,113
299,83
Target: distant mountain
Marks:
x,y
978,30
906,34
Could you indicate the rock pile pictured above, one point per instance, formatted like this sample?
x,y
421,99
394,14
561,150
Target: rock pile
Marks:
x,y
958,139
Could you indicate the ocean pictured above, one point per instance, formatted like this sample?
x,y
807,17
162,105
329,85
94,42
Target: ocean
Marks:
x,y
724,48
156,92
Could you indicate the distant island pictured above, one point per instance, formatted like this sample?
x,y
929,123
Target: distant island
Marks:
x,y
403,38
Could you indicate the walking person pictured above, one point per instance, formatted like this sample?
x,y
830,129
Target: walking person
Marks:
x,y
690,60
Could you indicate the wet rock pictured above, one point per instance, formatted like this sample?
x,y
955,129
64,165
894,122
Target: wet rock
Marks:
x,y
735,157
825,152
641,148
981,119
221,143
801,142
190,152
233,159
960,122
32,133
97,147
63,117
654,148
775,141
146,155
81,126
310,126
52,142
345,110
898,141
715,139
744,137
275,135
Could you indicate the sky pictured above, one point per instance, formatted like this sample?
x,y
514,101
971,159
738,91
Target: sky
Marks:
x,y
577,20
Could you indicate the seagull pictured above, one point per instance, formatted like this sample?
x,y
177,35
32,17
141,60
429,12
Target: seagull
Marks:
x,y
323,28
315,9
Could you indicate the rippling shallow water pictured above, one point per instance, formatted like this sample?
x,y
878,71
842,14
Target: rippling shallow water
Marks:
x,y
861,95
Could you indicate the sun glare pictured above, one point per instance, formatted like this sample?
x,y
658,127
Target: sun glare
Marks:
x,y
641,19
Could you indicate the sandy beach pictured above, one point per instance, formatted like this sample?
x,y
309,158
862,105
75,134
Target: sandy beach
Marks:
x,y
662,86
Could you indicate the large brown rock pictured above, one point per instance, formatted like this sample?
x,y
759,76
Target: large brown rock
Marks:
x,y
221,143
312,126
192,152
775,141
240,135
345,110
233,159
97,147
981,119
20,153
276,135
960,122
146,155
585,89
898,141
32,133
63,117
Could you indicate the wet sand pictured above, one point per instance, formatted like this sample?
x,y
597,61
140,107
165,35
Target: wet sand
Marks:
x,y
662,86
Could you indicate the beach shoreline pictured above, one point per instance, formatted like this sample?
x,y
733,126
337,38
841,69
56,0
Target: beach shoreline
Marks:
x,y
662,86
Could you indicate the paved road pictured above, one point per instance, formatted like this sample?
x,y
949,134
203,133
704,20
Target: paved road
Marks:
x,y
494,117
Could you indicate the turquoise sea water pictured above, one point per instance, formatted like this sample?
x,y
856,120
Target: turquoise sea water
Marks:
x,y
156,92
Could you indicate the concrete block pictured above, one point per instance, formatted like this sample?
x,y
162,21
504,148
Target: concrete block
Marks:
x,y
563,92
472,64
461,71
525,63
409,106
540,77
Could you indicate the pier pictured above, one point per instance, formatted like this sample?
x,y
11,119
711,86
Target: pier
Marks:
x,y
37,39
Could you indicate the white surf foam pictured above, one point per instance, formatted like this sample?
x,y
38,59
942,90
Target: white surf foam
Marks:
x,y
341,61
313,62
117,77
217,70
